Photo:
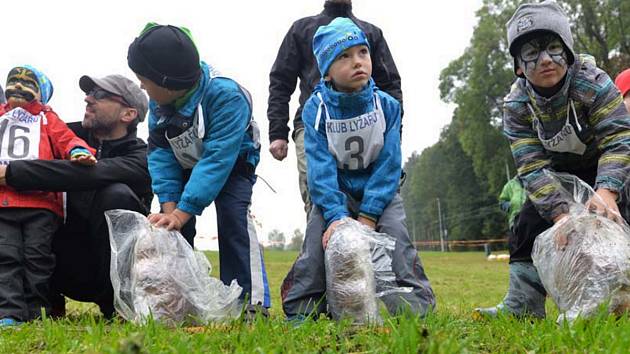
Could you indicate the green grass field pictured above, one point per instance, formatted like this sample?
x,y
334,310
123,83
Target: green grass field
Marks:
x,y
461,282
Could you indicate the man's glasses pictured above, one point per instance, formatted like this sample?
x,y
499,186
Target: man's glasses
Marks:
x,y
100,94
531,50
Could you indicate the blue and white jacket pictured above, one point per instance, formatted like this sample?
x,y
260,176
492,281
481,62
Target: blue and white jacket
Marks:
x,y
377,184
227,114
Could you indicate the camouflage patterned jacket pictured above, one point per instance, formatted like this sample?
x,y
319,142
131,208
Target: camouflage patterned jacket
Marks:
x,y
593,106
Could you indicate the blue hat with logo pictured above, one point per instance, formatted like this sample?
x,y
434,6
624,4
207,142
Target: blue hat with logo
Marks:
x,y
331,40
45,85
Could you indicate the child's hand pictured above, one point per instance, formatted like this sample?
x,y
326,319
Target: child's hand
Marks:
x,y
82,156
171,221
605,205
329,231
85,160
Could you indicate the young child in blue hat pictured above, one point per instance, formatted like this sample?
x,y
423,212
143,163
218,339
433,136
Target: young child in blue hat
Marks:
x,y
352,144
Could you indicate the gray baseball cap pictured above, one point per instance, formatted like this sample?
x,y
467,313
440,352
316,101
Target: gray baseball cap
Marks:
x,y
530,18
121,86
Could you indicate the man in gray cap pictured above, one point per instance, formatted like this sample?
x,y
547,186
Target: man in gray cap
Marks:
x,y
114,107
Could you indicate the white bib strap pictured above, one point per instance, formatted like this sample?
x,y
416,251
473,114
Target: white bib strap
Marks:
x,y
577,124
201,123
377,102
319,112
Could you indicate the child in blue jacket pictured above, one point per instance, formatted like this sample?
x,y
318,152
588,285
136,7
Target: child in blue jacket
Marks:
x,y
203,148
352,144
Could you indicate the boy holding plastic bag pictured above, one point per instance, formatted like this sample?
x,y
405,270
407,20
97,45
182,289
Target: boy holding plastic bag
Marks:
x,y
563,114
352,145
203,149
583,259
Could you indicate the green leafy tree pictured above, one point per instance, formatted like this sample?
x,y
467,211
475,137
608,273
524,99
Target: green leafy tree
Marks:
x,y
443,171
602,28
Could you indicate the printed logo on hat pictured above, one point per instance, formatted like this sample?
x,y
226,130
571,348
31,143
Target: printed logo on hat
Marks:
x,y
350,36
524,23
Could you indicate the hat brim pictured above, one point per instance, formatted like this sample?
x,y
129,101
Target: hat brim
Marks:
x,y
87,84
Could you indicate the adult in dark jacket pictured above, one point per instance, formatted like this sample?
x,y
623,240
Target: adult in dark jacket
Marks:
x,y
295,60
120,180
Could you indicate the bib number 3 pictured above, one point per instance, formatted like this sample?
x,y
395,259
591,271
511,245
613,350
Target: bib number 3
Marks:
x,y
355,147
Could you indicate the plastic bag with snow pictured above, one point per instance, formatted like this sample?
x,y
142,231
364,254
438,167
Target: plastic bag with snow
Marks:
x,y
358,270
155,273
584,260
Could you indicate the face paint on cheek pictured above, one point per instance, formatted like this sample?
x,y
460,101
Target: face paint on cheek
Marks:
x,y
529,67
560,59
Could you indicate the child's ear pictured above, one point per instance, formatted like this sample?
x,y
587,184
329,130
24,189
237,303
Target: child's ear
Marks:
x,y
519,71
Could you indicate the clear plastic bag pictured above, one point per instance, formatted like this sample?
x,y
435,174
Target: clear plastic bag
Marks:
x,y
155,273
359,270
584,260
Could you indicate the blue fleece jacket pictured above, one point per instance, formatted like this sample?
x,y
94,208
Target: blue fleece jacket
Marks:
x,y
227,114
377,184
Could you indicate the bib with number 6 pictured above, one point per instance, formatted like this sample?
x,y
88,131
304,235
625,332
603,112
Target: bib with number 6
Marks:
x,y
19,135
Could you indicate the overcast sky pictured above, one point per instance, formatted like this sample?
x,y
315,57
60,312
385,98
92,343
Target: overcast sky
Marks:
x,y
241,39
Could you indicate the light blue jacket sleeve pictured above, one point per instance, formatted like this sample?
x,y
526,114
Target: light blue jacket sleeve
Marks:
x,y
383,183
321,167
226,116
165,171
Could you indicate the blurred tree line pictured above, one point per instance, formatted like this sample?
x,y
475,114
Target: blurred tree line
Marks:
x,y
278,241
467,168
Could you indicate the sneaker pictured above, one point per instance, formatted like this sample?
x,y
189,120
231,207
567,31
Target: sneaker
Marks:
x,y
481,313
252,311
9,322
525,297
296,320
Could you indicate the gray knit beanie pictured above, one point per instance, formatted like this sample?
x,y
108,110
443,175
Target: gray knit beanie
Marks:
x,y
546,16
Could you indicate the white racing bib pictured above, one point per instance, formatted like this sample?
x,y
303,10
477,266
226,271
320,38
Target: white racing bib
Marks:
x,y
19,135
354,142
566,140
188,146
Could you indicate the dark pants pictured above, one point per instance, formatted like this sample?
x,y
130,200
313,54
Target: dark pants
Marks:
x,y
240,255
82,245
26,261
529,224
189,231
304,288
